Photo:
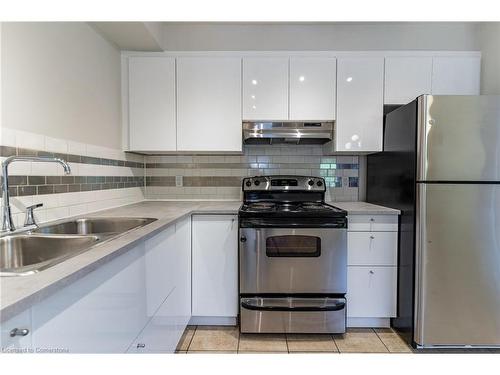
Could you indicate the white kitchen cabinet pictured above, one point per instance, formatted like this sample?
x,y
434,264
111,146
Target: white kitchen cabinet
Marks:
x,y
101,313
406,78
215,266
371,292
312,88
372,248
138,302
360,100
161,271
372,245
456,75
265,88
373,223
168,261
183,261
209,104
151,95
21,342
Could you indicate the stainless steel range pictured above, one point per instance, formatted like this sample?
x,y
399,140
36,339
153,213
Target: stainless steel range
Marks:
x,y
293,257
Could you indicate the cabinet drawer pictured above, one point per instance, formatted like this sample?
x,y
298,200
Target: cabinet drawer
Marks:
x,y
371,223
372,248
371,292
20,342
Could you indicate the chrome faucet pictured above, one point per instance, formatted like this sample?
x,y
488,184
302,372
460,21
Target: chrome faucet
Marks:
x,y
7,224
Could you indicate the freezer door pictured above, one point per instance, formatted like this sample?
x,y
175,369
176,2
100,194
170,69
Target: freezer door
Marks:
x,y
458,138
457,282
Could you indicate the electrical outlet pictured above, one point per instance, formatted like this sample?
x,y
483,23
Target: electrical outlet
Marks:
x,y
178,181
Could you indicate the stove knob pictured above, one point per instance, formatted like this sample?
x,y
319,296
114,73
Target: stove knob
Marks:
x,y
319,183
256,182
310,182
248,183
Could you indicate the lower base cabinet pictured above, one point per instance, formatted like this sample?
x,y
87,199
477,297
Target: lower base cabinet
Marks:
x,y
371,292
215,268
372,270
167,323
100,313
138,302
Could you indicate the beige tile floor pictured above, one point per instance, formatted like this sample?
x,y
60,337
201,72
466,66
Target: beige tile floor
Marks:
x,y
211,339
223,340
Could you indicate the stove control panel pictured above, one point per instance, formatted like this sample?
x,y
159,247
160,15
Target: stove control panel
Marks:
x,y
283,183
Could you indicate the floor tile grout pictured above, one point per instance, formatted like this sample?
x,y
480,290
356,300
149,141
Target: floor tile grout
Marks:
x,y
192,337
383,343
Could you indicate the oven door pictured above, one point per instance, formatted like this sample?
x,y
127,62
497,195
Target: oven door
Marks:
x,y
292,315
293,260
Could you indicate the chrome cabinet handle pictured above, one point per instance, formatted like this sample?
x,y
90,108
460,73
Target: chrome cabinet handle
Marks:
x,y
371,272
243,239
372,219
140,346
19,332
372,237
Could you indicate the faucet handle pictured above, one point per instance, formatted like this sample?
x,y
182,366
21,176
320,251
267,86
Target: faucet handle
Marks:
x,y
30,218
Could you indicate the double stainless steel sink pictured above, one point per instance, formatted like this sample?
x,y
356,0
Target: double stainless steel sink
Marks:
x,y
33,251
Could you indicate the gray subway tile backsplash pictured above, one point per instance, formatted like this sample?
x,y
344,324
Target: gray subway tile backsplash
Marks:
x,y
220,176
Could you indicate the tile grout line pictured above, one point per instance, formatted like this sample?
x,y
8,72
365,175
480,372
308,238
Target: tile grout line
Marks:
x,y
383,343
335,343
192,337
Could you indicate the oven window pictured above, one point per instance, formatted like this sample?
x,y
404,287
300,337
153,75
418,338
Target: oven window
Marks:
x,y
293,246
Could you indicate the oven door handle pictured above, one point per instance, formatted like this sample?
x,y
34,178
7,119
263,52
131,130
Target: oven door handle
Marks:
x,y
264,304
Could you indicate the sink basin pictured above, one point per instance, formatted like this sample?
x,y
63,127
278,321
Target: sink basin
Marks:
x,y
105,225
25,254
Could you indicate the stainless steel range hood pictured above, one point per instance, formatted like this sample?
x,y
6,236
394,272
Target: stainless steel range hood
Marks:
x,y
262,132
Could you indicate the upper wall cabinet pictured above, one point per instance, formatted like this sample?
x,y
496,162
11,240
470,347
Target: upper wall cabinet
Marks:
x,y
265,88
312,88
360,93
151,83
456,75
209,104
406,78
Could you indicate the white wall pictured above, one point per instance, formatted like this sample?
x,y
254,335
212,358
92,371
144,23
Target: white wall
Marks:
x,y
489,43
61,80
328,36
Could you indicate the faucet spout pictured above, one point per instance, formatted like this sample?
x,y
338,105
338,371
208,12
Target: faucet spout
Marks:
x,y
7,223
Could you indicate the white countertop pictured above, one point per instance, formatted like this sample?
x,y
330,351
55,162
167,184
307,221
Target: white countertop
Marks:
x,y
21,292
364,208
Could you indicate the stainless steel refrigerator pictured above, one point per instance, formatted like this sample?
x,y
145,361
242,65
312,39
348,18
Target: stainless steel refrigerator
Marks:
x,y
441,167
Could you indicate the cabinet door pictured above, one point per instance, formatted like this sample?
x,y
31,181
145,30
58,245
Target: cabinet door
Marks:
x,y
101,313
215,265
161,268
312,88
371,292
152,104
209,104
171,272
456,75
265,88
360,91
372,248
183,260
20,343
406,78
